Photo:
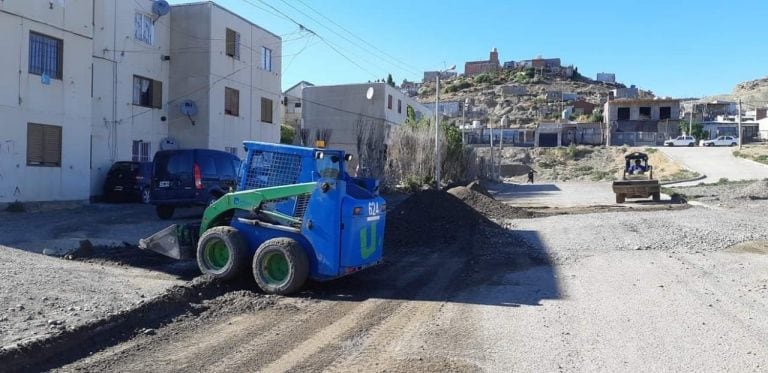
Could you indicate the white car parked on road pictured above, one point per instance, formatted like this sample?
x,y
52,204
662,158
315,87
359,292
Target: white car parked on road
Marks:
x,y
721,141
681,141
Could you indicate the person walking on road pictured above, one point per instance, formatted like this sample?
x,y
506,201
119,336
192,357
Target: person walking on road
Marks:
x,y
530,175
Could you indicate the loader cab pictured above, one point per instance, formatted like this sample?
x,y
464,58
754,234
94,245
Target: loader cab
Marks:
x,y
636,167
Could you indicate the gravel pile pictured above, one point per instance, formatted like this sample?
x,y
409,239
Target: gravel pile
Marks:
x,y
486,205
752,191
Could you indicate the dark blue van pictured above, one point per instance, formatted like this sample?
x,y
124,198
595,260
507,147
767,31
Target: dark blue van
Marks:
x,y
191,177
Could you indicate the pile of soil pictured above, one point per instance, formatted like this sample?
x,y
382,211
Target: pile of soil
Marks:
x,y
430,217
486,205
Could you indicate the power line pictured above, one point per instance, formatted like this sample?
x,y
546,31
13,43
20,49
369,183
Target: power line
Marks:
x,y
416,71
302,27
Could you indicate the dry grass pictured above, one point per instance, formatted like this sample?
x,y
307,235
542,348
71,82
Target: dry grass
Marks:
x,y
755,152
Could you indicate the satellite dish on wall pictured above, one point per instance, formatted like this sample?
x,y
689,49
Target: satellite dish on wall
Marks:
x,y
168,143
188,108
369,93
161,7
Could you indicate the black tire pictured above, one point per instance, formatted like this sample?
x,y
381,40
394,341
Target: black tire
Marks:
x,y
691,144
620,198
656,196
733,144
222,253
165,212
271,256
146,196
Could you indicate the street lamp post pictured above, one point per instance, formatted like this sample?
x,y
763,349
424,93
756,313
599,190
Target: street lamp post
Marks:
x,y
437,126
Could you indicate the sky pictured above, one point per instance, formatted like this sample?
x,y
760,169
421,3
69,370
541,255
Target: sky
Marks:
x,y
674,48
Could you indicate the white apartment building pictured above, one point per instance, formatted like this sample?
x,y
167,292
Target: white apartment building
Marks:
x,y
230,69
99,81
45,100
131,48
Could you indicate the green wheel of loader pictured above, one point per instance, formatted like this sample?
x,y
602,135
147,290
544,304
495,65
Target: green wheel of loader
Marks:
x,y
216,254
280,266
222,252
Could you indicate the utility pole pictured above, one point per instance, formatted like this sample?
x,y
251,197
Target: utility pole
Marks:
x,y
463,122
739,119
690,122
437,132
493,168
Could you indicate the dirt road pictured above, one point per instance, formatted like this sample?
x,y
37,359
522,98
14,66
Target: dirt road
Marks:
x,y
631,291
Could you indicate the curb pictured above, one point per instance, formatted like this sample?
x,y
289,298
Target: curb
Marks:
x,y
684,181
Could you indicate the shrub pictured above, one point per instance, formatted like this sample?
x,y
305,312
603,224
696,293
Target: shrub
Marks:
x,y
287,134
483,78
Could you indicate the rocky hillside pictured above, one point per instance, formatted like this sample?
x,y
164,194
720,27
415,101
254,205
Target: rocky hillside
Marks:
x,y
490,103
755,91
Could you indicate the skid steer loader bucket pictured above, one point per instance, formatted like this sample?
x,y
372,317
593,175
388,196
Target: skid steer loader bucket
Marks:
x,y
175,241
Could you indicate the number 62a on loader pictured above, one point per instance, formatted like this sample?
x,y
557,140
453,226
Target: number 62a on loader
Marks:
x,y
296,215
637,179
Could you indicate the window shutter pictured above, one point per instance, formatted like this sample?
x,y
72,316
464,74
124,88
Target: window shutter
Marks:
x,y
34,144
231,42
237,45
157,94
266,110
235,102
52,145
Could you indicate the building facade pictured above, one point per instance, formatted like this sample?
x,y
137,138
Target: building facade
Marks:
x,y
641,122
230,69
45,100
131,84
480,67
104,81
291,104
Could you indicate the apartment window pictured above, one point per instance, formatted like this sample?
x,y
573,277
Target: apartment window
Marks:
x,y
266,110
645,112
297,105
43,145
665,112
144,28
141,151
266,59
46,55
389,102
233,44
147,92
399,106
231,150
623,113
231,101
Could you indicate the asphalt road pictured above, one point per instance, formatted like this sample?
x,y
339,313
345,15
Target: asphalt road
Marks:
x,y
716,163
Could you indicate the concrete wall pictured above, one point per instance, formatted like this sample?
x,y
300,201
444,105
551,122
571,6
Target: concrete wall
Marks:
x,y
117,57
190,76
342,108
25,99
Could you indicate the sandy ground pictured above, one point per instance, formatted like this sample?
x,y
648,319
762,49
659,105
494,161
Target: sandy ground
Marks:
x,y
565,194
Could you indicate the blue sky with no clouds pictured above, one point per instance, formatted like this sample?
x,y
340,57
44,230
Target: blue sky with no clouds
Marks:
x,y
674,48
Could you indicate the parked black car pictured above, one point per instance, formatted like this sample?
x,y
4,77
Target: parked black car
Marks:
x,y
128,181
191,177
